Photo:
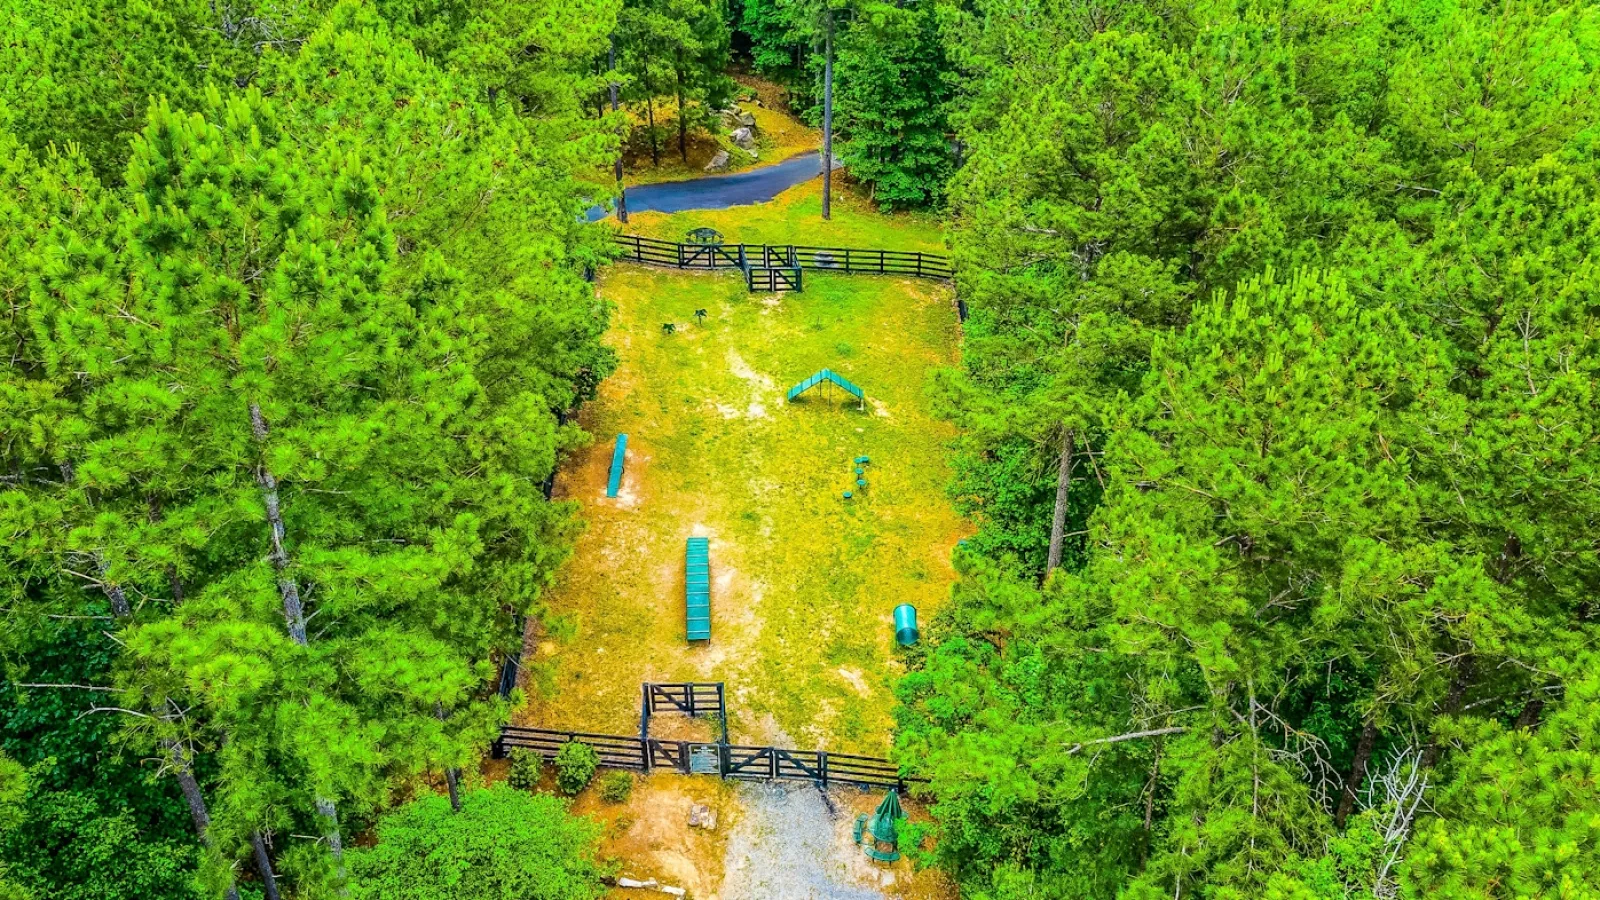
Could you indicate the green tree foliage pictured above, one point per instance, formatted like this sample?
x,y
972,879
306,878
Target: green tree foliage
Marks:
x,y
1311,294
527,768
534,54
502,844
616,787
575,766
892,96
892,86
678,49
83,71
767,33
68,846
1516,816
80,777
13,793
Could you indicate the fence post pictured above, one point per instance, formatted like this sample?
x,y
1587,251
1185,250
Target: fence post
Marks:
x,y
722,707
822,766
689,689
880,261
723,760
680,255
772,762
919,263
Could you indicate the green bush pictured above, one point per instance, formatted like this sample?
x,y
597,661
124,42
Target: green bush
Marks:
x,y
527,767
616,787
503,843
575,765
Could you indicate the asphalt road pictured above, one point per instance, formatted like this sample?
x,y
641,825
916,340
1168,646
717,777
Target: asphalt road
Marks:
x,y
720,191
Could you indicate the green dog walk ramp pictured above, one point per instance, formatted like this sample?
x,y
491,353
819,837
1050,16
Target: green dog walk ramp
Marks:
x,y
618,457
697,588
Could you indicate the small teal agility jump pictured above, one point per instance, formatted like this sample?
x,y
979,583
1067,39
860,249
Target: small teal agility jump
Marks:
x,y
828,376
697,588
617,457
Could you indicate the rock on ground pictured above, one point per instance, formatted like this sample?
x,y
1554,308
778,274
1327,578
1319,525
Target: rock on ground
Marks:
x,y
788,846
744,137
734,117
718,162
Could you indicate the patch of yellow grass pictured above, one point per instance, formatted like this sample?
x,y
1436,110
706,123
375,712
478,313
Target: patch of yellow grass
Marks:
x,y
804,581
779,136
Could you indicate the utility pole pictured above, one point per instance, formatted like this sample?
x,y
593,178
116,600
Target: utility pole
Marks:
x,y
622,196
827,119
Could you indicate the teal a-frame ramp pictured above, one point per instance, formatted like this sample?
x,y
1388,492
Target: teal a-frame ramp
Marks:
x,y
831,377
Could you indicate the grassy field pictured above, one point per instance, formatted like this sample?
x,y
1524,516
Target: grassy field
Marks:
x,y
795,217
804,581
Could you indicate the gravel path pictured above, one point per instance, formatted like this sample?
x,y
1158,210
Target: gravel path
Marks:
x,y
788,845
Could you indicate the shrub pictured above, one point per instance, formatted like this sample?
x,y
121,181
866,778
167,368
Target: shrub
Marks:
x,y
575,765
616,787
503,843
527,767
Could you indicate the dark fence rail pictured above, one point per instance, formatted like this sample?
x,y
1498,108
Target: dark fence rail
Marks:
x,y
615,751
849,260
727,760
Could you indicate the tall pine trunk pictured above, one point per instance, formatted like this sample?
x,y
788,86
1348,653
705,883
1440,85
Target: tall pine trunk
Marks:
x,y
827,120
683,119
269,881
622,137
452,775
293,610
177,757
183,770
1358,773
650,113
1058,522
1459,682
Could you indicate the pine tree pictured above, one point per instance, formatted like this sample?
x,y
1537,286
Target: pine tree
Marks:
x,y
892,102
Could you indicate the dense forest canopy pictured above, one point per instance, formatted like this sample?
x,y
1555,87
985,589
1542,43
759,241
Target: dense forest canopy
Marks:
x,y
1278,397
1282,366
279,401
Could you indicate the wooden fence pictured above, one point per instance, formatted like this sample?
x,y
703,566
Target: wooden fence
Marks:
x,y
849,260
726,760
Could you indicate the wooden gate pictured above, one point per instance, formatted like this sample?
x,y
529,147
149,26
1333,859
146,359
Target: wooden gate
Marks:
x,y
773,280
691,698
669,755
708,256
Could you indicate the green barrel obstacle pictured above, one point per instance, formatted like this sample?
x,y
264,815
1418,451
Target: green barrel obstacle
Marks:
x,y
618,456
905,624
697,588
